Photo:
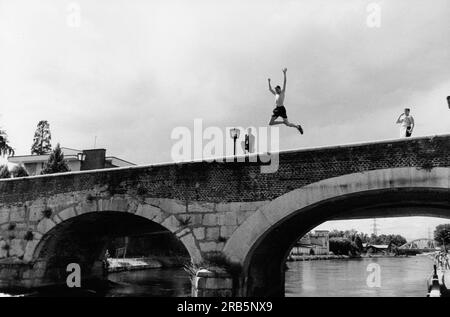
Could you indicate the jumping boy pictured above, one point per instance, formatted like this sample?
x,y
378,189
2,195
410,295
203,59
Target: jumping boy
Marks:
x,y
280,110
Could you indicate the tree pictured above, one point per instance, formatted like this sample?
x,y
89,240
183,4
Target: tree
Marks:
x,y
397,239
359,243
5,148
4,172
56,162
442,233
343,246
42,139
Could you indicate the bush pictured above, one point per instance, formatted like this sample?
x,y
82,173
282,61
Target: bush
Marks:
x,y
342,246
47,212
20,171
56,162
4,172
28,236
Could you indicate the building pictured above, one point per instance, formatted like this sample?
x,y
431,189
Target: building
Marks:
x,y
316,243
77,160
379,248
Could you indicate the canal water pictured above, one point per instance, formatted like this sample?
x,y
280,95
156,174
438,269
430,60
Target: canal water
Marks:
x,y
398,277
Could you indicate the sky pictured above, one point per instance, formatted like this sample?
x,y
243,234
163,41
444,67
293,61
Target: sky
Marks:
x,y
122,75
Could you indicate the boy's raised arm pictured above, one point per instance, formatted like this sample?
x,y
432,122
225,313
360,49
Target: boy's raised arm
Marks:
x,y
270,87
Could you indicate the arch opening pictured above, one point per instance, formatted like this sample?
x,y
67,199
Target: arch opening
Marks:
x,y
264,265
84,240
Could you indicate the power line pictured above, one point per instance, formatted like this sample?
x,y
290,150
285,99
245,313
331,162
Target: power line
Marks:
x,y
375,227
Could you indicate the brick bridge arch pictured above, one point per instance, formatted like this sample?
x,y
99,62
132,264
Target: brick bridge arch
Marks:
x,y
261,244
80,234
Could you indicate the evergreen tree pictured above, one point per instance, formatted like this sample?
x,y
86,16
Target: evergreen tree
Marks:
x,y
5,148
42,139
56,162
4,172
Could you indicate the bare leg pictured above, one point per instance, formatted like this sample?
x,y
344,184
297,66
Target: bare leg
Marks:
x,y
297,126
273,122
286,122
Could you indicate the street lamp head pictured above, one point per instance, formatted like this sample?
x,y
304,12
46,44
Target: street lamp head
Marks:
x,y
81,157
234,133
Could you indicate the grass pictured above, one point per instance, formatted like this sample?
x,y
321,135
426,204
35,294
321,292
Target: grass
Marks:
x,y
184,222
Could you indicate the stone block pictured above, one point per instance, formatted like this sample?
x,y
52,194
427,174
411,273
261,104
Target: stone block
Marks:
x,y
196,219
16,247
45,225
35,209
172,206
171,223
86,206
4,216
228,219
210,220
183,232
212,233
67,213
29,250
227,231
208,246
17,214
199,233
190,244
150,212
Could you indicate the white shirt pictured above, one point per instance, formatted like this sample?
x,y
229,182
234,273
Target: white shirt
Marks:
x,y
279,99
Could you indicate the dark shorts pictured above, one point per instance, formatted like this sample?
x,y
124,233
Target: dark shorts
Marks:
x,y
408,132
279,112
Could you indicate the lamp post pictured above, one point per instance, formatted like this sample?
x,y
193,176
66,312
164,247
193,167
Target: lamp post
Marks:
x,y
448,101
234,134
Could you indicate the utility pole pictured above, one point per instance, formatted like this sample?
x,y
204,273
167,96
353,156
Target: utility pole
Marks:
x,y
375,227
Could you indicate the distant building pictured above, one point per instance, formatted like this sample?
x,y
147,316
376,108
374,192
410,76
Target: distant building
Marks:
x,y
379,248
77,160
316,243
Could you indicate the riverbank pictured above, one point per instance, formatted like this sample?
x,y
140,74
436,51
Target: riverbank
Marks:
x,y
130,264
144,263
295,258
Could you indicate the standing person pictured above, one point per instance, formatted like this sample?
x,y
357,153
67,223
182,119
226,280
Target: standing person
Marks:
x,y
280,110
407,124
248,146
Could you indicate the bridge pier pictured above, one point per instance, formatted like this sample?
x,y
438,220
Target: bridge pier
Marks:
x,y
214,282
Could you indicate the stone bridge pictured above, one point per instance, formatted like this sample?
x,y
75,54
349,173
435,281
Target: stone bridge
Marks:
x,y
226,215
